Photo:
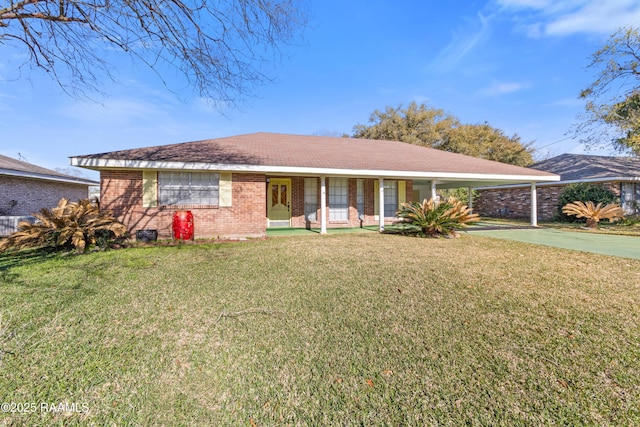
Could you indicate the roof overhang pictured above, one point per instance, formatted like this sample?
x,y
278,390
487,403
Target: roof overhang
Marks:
x,y
566,182
443,179
31,175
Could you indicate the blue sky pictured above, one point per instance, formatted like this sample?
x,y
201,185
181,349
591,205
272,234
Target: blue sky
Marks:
x,y
517,64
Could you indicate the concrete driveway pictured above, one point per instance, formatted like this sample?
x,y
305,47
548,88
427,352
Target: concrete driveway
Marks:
x,y
606,244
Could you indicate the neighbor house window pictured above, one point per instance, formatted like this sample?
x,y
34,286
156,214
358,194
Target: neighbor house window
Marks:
x,y
338,199
629,197
310,199
390,198
360,197
188,188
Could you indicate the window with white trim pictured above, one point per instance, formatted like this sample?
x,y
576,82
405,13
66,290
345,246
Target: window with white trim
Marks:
x,y
188,188
338,199
390,198
311,199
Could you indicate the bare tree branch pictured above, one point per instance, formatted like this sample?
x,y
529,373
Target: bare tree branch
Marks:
x,y
220,47
612,110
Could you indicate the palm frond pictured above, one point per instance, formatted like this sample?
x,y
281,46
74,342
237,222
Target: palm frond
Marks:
x,y
435,218
68,225
592,212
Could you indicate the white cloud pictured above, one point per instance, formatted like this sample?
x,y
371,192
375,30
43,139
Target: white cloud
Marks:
x,y
596,17
503,88
540,18
462,44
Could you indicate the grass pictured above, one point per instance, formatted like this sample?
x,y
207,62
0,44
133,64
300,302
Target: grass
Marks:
x,y
350,329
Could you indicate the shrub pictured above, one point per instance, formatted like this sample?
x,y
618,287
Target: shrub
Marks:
x,y
583,192
594,213
77,225
434,218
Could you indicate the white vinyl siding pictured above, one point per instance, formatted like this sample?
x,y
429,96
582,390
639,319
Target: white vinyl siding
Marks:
x,y
338,199
188,188
311,199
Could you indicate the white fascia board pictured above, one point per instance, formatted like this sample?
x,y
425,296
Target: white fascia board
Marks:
x,y
302,171
573,181
22,174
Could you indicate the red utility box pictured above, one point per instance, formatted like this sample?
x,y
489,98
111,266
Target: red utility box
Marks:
x,y
183,225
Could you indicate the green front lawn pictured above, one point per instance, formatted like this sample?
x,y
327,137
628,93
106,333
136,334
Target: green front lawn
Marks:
x,y
349,329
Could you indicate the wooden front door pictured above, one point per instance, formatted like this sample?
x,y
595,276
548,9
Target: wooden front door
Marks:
x,y
279,202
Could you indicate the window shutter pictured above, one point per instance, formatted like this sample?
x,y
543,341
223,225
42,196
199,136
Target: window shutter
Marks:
x,y
224,189
149,189
402,192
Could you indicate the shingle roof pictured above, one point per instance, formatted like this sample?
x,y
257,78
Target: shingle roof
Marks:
x,y
578,167
14,167
318,152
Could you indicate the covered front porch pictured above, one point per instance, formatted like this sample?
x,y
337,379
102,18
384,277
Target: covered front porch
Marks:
x,y
333,202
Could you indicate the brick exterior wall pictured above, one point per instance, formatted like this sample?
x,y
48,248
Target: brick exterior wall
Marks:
x,y
297,213
31,195
516,202
121,193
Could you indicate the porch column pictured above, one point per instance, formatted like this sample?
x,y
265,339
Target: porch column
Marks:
x,y
534,205
433,189
323,205
381,203
470,202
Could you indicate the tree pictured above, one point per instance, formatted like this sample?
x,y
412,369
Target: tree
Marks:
x,y
489,143
613,99
432,127
417,124
219,46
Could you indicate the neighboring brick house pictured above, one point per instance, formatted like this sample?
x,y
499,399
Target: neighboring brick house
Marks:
x,y
27,188
619,174
239,186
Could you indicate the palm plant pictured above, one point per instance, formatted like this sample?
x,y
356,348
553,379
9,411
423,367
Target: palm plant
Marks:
x,y
594,213
76,225
435,218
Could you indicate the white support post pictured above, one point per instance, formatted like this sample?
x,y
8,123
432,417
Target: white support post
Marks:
x,y
433,189
381,202
534,205
323,205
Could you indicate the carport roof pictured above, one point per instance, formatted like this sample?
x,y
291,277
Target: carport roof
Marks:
x,y
283,154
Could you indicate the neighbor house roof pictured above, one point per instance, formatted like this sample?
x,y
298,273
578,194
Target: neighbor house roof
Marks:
x,y
14,167
582,167
318,155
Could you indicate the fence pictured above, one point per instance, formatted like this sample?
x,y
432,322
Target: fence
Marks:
x,y
9,224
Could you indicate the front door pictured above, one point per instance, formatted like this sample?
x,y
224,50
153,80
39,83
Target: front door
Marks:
x,y
279,202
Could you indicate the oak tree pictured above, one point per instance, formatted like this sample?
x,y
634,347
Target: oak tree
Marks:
x,y
433,127
415,124
487,142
